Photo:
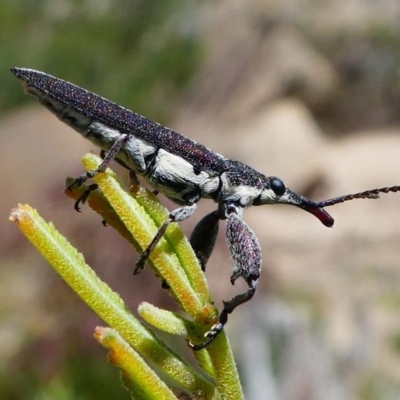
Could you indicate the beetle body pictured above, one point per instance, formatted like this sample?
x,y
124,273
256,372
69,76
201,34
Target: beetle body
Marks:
x,y
182,169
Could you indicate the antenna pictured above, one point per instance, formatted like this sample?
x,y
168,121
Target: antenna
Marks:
x,y
368,194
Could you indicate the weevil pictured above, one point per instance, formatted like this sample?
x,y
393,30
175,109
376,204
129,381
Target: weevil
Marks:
x,y
185,172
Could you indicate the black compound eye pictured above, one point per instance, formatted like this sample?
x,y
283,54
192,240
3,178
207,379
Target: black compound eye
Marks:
x,y
277,186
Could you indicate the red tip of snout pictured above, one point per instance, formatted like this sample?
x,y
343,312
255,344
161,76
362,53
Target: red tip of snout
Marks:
x,y
322,215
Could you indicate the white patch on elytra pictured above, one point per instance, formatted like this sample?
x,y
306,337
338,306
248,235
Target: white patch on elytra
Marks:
x,y
171,170
133,152
64,113
175,168
102,135
137,150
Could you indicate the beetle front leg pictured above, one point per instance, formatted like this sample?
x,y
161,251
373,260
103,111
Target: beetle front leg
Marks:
x,y
204,236
246,253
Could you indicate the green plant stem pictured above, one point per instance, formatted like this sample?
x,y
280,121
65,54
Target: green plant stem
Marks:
x,y
69,263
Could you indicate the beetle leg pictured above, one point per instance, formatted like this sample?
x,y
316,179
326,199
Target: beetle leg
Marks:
x,y
204,236
246,253
178,215
108,157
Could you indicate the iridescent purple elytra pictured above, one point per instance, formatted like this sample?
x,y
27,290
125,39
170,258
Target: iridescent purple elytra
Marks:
x,y
183,170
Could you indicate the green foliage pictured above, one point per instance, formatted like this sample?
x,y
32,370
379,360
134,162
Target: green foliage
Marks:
x,y
79,377
134,347
137,53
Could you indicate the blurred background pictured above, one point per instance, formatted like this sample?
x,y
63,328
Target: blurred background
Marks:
x,y
305,90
